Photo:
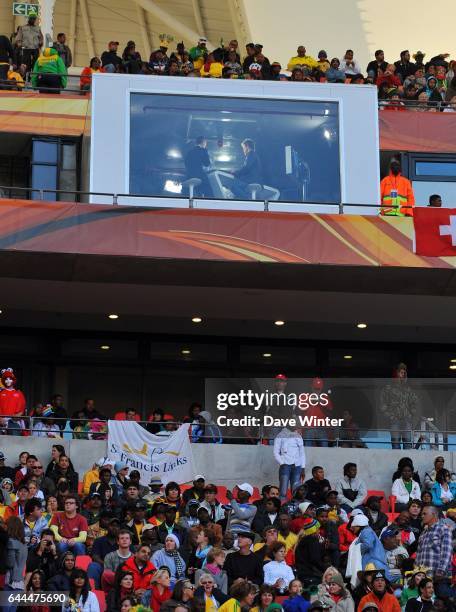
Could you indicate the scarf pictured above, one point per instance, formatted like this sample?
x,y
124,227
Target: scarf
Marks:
x,y
213,569
202,554
177,562
158,598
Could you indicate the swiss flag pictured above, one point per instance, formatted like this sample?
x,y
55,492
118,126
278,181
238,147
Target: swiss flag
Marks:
x,y
435,231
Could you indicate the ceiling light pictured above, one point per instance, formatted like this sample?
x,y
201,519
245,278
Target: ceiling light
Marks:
x,y
174,154
113,316
279,322
327,134
105,347
453,367
267,354
223,158
361,325
451,360
185,351
196,320
1,311
348,356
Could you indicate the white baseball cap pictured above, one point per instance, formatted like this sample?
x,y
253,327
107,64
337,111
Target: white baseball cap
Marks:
x,y
360,520
303,507
245,486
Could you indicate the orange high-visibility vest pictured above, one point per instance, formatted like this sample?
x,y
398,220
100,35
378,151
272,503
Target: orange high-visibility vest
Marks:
x,y
396,192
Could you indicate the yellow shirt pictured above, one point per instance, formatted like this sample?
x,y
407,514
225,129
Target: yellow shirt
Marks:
x,y
290,541
215,70
307,60
232,605
89,478
323,65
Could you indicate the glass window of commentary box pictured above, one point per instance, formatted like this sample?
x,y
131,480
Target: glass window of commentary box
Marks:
x,y
234,148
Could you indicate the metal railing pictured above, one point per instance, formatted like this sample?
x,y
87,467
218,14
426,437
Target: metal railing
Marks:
x,y
114,197
337,437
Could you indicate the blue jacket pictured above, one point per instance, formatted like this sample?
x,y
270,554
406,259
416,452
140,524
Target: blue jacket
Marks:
x,y
372,550
436,492
296,604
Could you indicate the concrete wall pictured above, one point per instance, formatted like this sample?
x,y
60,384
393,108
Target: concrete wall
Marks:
x,y
230,464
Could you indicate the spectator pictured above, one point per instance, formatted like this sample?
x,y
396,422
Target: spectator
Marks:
x,y
214,563
80,592
250,57
6,58
56,451
329,535
190,518
290,455
285,535
159,592
336,513
70,528
213,65
306,510
131,58
199,53
43,557
123,588
405,489
302,59
169,526
183,593
425,600
142,569
351,490
102,547
404,67
398,401
17,508
242,596
201,545
372,550
395,552
65,470
16,555
435,201
196,491
277,573
212,505
339,597
432,91
414,576
208,592
49,72
309,554
61,580
34,522
349,65
29,41
443,490
232,62
317,486
434,546
208,431
118,557
63,50
46,427
109,59
26,472
323,63
242,512
299,495
389,78
44,483
59,410
295,601
378,65
267,517
169,557
379,598
244,563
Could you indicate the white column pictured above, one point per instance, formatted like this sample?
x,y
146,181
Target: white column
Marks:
x,y
47,20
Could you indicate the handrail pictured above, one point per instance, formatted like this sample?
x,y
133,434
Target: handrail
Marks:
x,y
115,198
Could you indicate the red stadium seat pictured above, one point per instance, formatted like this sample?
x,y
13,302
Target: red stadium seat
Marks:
x,y
166,417
80,487
383,503
83,561
101,600
392,516
392,503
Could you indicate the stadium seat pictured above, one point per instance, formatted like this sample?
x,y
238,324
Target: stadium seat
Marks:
x,y
392,503
166,417
83,562
383,503
101,600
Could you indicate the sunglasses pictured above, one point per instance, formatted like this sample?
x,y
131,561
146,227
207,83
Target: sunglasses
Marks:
x,y
206,582
190,586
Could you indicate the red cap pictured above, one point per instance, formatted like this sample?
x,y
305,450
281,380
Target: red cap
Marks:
x,y
281,377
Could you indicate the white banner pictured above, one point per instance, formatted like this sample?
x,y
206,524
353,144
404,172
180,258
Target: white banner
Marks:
x,y
169,459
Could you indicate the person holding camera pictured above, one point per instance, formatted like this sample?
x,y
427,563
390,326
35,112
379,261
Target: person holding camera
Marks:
x,y
43,556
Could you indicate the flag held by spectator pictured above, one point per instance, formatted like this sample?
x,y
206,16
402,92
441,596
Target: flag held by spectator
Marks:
x,y
435,232
169,459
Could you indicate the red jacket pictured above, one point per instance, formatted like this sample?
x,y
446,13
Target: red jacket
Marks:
x,y
141,577
346,537
388,603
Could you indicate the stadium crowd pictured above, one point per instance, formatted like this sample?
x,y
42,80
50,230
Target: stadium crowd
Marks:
x,y
426,85
116,543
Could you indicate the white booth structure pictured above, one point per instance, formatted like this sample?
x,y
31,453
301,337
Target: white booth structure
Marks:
x,y
234,144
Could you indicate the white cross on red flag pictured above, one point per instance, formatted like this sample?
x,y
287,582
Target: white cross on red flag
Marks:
x,y
435,231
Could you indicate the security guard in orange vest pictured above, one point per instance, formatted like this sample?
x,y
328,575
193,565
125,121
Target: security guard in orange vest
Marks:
x,y
396,193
